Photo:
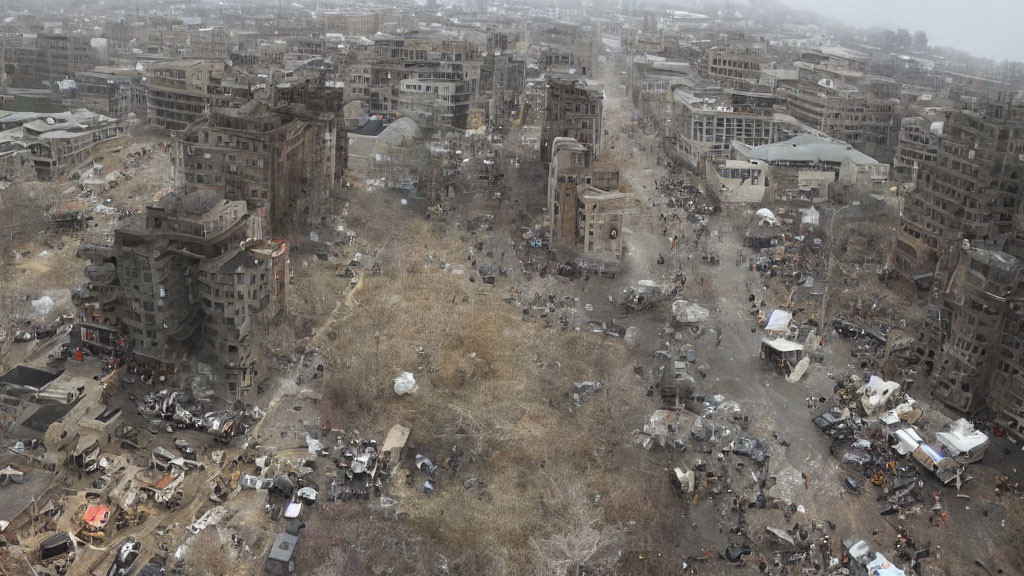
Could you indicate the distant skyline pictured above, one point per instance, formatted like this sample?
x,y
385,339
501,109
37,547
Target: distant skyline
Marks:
x,y
986,28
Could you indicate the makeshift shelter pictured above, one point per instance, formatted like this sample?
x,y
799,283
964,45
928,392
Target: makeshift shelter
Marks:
x,y
96,518
689,313
876,394
781,353
778,322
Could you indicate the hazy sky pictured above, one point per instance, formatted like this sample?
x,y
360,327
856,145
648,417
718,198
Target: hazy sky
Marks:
x,y
988,28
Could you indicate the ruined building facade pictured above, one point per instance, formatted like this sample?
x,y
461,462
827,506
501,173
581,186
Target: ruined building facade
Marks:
x,y
918,145
178,94
433,78
280,160
185,271
970,191
962,230
584,202
573,110
861,114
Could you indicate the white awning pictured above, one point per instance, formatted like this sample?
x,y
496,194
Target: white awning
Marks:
x,y
779,321
781,345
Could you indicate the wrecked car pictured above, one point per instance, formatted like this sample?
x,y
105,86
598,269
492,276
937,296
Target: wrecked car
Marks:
x,y
125,557
56,547
182,445
753,448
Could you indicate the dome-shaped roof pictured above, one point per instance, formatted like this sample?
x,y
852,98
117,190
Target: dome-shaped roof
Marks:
x,y
399,132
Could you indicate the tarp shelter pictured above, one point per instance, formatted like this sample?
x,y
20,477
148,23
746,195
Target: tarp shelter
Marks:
x,y
11,474
766,215
778,322
292,510
880,566
55,546
279,561
963,443
689,312
394,443
781,352
876,393
96,517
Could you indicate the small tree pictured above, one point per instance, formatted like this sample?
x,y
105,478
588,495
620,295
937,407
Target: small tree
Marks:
x,y
920,40
209,556
903,39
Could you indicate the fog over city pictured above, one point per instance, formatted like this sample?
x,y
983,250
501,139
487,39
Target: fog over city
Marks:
x,y
511,287
986,28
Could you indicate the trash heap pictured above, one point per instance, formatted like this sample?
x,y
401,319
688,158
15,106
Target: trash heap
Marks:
x,y
873,432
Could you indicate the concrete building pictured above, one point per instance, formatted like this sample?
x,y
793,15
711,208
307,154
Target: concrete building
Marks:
x,y
705,124
962,232
436,103
918,145
737,63
862,114
502,81
354,24
389,156
982,302
572,110
185,271
805,166
109,91
652,81
584,202
47,57
59,143
972,189
277,160
377,73
178,92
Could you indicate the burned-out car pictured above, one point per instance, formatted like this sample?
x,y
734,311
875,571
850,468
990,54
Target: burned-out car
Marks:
x,y
125,557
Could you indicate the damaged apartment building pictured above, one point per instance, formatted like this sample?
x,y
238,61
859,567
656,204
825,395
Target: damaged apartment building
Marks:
x,y
705,123
584,202
573,109
435,80
189,274
834,94
178,92
962,234
281,157
58,144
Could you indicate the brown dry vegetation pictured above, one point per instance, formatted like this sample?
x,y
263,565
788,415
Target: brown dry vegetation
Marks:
x,y
552,496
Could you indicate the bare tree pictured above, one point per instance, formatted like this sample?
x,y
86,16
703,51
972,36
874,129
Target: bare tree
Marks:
x,y
22,216
209,556
583,542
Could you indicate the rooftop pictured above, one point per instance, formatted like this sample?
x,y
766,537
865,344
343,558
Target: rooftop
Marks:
x,y
16,498
805,148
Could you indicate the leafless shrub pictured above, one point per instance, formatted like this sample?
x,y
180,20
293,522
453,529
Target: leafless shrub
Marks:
x,y
582,540
209,555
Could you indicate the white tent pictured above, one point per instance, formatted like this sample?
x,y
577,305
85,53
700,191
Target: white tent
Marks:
x,y
810,216
766,215
876,393
778,321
